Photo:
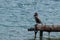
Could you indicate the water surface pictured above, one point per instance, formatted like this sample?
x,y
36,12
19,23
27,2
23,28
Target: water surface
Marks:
x,y
16,16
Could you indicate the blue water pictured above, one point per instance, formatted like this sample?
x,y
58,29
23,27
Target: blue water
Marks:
x,y
16,16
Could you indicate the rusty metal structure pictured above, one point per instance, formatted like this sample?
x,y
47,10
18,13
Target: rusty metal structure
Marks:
x,y
46,28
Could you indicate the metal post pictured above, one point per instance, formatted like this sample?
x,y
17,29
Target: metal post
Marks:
x,y
41,34
48,35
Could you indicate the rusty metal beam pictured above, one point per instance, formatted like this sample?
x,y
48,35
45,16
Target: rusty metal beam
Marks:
x,y
47,28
